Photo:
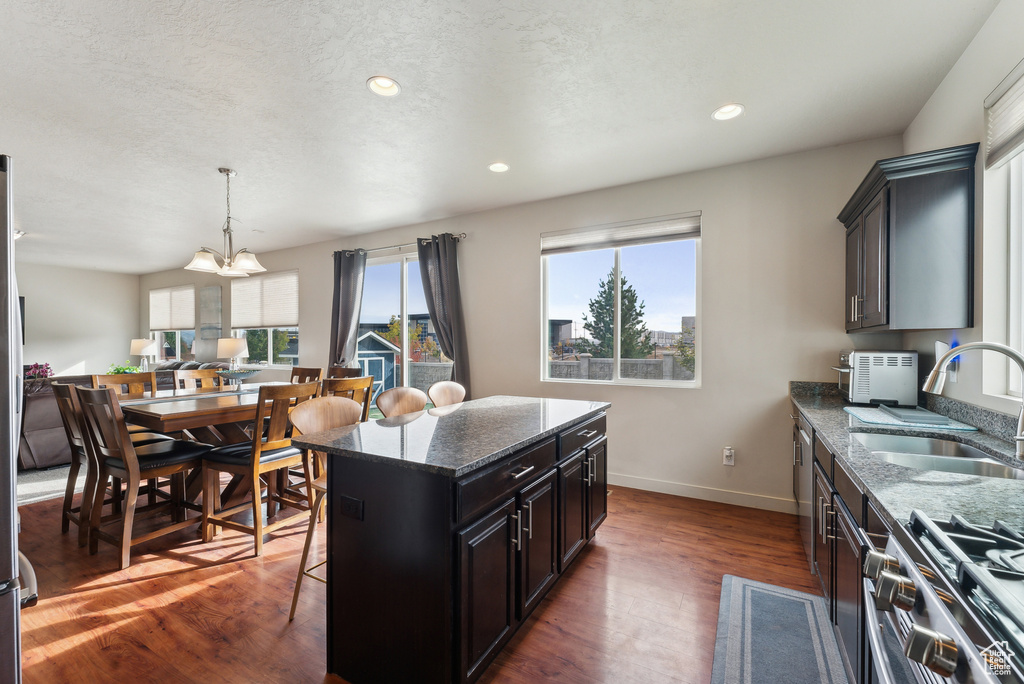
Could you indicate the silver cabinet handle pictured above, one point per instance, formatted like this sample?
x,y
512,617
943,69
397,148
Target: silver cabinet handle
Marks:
x,y
529,508
853,308
796,444
517,540
587,435
592,469
521,473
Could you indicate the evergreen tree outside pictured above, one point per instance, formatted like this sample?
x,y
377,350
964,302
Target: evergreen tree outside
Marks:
x,y
256,340
635,342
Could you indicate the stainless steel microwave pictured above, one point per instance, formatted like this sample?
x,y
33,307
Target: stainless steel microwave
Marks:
x,y
878,377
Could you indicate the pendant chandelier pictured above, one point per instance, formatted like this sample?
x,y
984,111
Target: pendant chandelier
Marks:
x,y
232,264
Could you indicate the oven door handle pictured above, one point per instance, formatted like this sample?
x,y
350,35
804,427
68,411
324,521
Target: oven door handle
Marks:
x,y
879,657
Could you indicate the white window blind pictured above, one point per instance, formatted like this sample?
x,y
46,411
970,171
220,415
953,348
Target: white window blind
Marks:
x,y
173,308
1004,118
645,231
268,301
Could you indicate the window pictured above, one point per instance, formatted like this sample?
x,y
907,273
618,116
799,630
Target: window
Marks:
x,y
172,319
621,303
1015,314
265,311
397,342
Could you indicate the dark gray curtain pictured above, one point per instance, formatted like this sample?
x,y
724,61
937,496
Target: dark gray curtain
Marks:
x,y
349,269
439,268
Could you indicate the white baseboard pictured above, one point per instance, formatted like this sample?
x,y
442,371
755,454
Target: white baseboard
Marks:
x,y
769,503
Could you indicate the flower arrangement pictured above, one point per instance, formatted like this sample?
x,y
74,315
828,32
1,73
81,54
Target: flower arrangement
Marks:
x,y
38,370
118,370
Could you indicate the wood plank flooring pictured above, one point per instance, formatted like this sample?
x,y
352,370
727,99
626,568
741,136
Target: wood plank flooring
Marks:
x,y
640,604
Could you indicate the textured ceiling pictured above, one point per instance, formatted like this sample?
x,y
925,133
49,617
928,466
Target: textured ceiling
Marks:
x,y
118,113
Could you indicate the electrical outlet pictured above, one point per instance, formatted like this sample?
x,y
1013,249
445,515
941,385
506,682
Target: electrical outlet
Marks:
x,y
728,456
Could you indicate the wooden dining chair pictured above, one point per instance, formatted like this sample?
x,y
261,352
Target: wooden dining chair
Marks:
x,y
117,457
127,383
359,390
71,418
446,392
198,378
262,457
342,372
399,400
317,415
301,375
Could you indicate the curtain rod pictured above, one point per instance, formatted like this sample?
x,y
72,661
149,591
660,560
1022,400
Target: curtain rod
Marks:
x,y
349,252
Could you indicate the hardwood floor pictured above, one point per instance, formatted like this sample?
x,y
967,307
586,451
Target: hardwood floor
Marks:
x,y
640,604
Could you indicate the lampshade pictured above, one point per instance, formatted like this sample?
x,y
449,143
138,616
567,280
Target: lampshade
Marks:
x,y
143,347
231,347
204,261
246,261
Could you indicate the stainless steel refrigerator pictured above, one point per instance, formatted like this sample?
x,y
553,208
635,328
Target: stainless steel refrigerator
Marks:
x,y
10,421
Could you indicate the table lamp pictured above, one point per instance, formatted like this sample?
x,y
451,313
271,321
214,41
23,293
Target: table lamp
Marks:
x,y
232,348
145,348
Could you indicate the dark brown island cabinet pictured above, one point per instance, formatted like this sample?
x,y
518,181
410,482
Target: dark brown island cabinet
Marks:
x,y
910,243
447,527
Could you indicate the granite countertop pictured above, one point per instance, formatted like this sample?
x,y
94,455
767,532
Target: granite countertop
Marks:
x,y
897,490
454,440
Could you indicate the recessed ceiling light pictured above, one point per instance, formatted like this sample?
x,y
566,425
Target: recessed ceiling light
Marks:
x,y
498,167
384,86
728,111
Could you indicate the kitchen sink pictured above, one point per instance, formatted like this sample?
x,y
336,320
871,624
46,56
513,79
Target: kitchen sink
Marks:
x,y
936,454
908,444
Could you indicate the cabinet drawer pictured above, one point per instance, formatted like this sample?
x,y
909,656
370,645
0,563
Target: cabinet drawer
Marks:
x,y
849,491
823,455
581,435
479,491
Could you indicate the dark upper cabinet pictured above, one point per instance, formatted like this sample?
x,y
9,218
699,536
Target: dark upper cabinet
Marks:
x,y
910,243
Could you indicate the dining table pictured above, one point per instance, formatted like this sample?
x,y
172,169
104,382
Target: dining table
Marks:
x,y
216,415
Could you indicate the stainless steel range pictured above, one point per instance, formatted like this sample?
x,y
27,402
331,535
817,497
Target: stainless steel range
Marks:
x,y
949,603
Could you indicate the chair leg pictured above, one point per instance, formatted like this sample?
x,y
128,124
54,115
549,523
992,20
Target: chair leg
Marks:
x,y
211,499
97,509
310,531
88,497
69,493
116,495
257,512
127,521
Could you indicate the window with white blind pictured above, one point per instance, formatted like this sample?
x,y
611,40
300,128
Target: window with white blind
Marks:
x,y
622,303
265,311
172,321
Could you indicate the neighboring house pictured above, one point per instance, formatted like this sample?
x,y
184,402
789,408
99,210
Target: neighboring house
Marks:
x,y
379,358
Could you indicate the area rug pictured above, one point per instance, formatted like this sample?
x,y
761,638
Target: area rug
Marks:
x,y
768,634
40,485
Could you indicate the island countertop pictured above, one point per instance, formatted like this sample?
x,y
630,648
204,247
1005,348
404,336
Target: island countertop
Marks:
x,y
454,440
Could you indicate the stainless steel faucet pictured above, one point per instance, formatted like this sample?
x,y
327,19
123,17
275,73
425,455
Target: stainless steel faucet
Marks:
x,y
937,378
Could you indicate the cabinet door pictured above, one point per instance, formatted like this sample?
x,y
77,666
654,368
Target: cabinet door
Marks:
x,y
854,273
539,549
486,588
572,531
874,308
597,485
847,590
823,531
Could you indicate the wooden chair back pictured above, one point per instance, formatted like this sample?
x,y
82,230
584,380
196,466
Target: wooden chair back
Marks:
x,y
272,409
104,424
70,414
359,390
134,382
446,392
198,378
301,375
340,372
399,400
324,413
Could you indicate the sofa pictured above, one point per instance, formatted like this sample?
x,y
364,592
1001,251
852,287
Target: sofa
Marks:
x,y
43,442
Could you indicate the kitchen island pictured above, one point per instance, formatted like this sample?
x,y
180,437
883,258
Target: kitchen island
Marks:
x,y
447,527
